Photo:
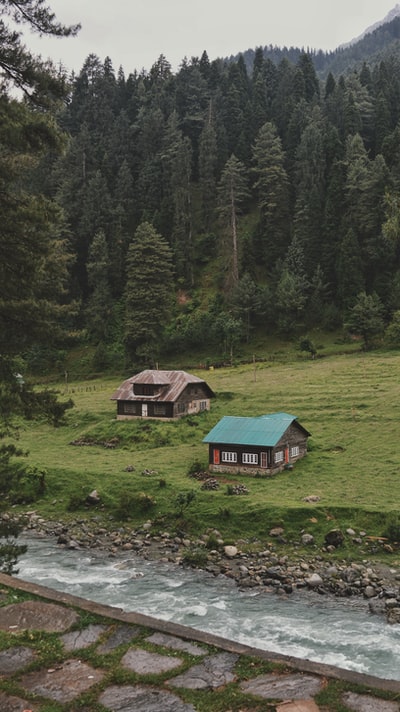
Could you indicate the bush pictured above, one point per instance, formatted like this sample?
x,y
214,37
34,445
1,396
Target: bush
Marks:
x,y
392,529
195,556
195,467
130,504
212,541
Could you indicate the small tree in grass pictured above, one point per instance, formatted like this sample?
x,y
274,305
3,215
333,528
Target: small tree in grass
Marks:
x,y
308,346
365,318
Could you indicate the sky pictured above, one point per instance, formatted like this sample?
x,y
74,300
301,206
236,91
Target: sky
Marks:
x,y
134,33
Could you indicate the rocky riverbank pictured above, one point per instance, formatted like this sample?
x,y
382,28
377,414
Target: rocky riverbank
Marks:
x,y
265,568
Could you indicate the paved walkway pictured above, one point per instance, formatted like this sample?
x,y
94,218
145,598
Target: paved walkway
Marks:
x,y
63,653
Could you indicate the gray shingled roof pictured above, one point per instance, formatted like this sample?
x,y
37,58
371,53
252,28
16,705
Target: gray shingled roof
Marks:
x,y
172,383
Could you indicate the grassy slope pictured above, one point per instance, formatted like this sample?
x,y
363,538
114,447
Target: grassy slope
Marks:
x,y
350,404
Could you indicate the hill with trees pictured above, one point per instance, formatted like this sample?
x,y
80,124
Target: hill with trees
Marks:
x,y
202,206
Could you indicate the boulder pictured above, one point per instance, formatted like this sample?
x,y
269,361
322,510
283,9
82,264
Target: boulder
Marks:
x,y
230,551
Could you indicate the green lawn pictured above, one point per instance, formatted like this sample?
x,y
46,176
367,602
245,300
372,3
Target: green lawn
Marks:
x,y
349,403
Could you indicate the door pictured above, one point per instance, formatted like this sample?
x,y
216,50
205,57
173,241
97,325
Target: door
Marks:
x,y
264,460
144,410
216,457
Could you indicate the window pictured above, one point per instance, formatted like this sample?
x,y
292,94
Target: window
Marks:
x,y
278,456
250,458
202,405
181,407
229,456
130,408
294,451
159,409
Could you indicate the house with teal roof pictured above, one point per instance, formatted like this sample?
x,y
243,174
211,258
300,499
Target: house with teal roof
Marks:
x,y
261,445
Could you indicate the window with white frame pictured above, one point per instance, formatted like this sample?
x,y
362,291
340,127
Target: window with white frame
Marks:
x,y
202,405
278,456
294,451
250,458
229,456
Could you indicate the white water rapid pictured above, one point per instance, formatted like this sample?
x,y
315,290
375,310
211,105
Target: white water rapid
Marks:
x,y
333,631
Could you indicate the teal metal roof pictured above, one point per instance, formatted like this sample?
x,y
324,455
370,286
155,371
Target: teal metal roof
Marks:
x,y
265,430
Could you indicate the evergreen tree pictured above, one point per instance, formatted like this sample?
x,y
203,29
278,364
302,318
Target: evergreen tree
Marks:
x,y
207,169
365,318
19,68
33,267
177,165
272,187
148,293
232,192
99,305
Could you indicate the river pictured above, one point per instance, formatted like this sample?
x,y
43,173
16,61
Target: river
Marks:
x,y
338,632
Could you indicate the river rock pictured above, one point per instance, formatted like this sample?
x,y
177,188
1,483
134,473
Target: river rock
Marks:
x,y
93,498
230,551
314,581
307,539
276,532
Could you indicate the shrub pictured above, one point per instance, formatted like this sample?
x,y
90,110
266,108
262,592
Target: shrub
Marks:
x,y
212,541
392,529
195,556
75,502
130,504
184,500
196,466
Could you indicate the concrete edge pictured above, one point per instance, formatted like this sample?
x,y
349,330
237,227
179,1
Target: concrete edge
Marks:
x,y
188,633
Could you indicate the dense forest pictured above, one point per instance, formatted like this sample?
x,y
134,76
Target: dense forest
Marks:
x,y
170,210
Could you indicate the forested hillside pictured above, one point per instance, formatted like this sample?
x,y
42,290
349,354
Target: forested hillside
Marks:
x,y
191,208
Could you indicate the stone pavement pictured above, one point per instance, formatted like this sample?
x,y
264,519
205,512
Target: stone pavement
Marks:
x,y
59,653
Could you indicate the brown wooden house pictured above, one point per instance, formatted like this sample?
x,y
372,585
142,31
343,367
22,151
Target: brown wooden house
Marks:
x,y
262,445
162,394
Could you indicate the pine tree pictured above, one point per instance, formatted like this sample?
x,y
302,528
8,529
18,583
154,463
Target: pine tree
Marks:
x,y
148,293
99,304
272,187
232,192
39,81
33,266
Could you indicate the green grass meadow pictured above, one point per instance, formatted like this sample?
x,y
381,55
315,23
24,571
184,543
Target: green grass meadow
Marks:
x,y
350,404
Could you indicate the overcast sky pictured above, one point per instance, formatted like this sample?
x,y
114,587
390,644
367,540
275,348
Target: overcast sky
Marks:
x,y
134,33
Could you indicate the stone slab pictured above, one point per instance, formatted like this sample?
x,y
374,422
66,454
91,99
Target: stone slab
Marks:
x,y
10,703
298,706
213,672
138,698
14,659
368,703
283,687
145,663
63,683
121,635
36,615
171,641
77,639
